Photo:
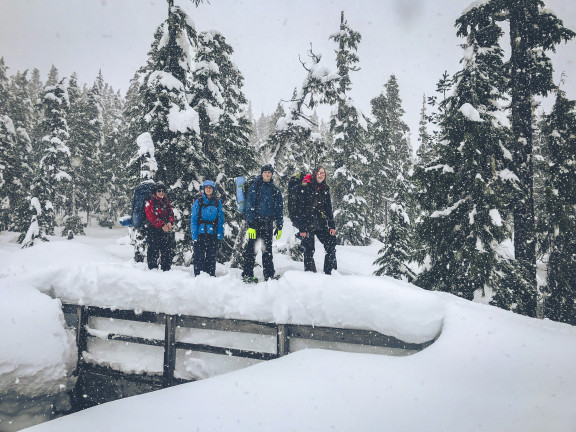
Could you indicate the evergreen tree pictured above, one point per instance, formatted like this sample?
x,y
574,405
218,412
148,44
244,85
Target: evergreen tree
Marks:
x,y
463,189
391,153
224,125
350,160
425,140
397,252
114,157
21,112
560,199
53,173
173,123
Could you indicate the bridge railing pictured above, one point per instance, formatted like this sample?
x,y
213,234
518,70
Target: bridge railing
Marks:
x,y
286,335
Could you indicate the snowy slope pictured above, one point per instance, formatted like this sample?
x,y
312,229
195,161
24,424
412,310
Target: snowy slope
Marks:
x,y
489,370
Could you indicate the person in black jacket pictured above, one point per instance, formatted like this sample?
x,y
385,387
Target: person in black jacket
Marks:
x,y
318,221
264,208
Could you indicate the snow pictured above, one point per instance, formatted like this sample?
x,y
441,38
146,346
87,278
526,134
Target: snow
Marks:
x,y
489,369
470,113
145,145
183,120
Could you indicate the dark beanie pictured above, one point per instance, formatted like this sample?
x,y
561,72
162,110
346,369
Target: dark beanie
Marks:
x,y
267,168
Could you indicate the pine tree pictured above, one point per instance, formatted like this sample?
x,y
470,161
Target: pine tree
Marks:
x,y
425,140
113,158
463,189
560,201
53,173
533,31
350,160
394,257
391,153
224,125
21,112
173,123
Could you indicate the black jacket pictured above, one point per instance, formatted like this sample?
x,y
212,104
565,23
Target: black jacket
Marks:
x,y
317,208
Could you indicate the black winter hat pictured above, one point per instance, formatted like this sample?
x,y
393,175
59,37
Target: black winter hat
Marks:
x,y
267,168
159,185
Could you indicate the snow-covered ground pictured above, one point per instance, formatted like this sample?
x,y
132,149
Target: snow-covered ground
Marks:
x,y
489,370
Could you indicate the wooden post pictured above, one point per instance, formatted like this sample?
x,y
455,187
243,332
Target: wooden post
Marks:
x,y
81,332
169,350
282,340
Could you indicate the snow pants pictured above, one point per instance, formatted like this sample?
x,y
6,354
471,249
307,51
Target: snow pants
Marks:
x,y
264,228
160,245
329,243
205,252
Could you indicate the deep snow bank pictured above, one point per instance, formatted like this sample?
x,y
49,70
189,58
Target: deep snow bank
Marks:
x,y
374,303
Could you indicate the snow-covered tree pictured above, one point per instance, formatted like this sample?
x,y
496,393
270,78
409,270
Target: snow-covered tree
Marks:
x,y
224,125
463,189
394,257
391,152
349,147
560,200
53,173
173,124
22,113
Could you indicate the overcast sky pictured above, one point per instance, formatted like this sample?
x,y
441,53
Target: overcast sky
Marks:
x,y
412,39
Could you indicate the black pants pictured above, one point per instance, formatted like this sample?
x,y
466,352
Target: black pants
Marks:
x,y
205,251
329,243
160,245
264,228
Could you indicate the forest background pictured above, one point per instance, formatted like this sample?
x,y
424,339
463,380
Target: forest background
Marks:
x,y
491,167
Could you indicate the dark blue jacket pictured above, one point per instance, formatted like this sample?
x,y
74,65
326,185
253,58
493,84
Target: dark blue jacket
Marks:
x,y
270,204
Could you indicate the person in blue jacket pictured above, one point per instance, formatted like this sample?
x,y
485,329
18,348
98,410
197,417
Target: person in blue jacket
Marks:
x,y
264,208
207,229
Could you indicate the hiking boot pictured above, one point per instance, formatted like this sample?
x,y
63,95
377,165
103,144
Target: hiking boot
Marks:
x,y
276,277
250,279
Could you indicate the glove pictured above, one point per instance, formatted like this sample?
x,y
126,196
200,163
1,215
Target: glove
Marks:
x,y
251,233
278,233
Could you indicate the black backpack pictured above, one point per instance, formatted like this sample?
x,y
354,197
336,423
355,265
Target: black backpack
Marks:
x,y
142,193
296,197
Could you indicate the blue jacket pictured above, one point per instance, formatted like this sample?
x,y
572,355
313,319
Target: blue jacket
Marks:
x,y
209,214
270,204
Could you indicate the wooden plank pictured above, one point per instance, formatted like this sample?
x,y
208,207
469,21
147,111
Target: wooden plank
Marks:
x,y
230,325
350,336
226,351
129,315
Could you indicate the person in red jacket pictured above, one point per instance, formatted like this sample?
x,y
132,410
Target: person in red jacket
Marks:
x,y
158,233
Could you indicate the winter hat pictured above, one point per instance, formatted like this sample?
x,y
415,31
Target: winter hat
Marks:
x,y
159,185
267,168
209,183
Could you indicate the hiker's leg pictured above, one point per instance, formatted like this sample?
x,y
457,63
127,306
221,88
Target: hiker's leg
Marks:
x,y
265,233
153,248
329,243
198,256
248,258
211,254
166,251
308,244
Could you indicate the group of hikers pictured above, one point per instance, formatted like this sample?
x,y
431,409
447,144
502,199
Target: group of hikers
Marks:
x,y
264,208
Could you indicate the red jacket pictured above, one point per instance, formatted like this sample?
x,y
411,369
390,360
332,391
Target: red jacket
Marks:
x,y
159,211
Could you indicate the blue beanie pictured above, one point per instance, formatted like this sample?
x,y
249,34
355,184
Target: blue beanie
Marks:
x,y
209,183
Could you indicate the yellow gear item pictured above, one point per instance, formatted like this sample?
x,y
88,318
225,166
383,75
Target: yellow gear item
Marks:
x,y
251,233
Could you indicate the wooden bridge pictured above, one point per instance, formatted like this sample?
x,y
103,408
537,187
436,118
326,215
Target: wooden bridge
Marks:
x,y
97,384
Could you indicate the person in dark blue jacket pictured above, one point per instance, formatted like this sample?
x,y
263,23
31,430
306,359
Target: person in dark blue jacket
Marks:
x,y
207,228
264,207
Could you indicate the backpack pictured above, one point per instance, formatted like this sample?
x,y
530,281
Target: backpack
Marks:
x,y
202,204
142,193
295,195
243,185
